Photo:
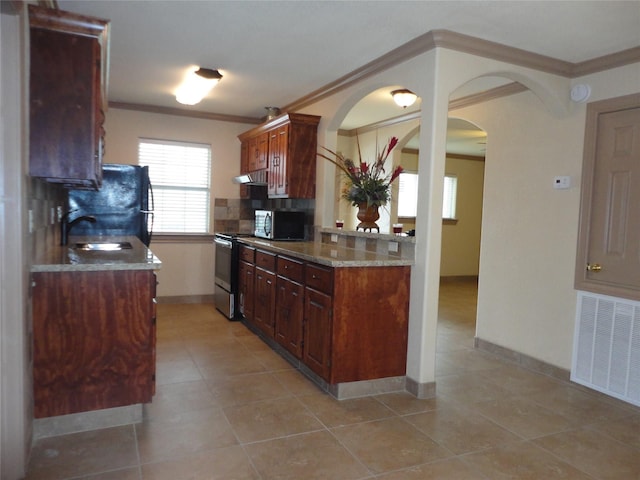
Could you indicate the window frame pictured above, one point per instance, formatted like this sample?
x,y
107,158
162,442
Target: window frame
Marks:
x,y
204,187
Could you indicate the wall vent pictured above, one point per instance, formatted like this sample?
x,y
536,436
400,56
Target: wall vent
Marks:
x,y
606,350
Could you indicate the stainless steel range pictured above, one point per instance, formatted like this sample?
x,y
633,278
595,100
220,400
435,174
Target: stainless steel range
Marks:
x,y
226,274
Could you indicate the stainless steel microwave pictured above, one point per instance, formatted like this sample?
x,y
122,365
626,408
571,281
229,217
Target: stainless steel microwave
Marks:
x,y
280,224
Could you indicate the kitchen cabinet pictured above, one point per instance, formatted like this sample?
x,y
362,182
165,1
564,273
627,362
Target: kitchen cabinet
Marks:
x,y
345,324
277,171
246,282
265,293
93,340
291,150
67,97
289,305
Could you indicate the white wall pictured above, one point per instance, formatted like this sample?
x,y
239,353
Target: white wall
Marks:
x,y
187,268
526,300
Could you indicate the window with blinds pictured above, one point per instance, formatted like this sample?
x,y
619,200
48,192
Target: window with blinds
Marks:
x,y
181,176
408,195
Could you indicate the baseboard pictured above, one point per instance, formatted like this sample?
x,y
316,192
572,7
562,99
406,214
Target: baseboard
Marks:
x,y
420,390
523,360
186,299
86,421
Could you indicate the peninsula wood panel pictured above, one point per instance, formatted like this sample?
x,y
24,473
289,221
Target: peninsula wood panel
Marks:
x,y
370,323
94,340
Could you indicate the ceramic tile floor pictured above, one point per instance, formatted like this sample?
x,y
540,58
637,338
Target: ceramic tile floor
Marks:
x,y
227,407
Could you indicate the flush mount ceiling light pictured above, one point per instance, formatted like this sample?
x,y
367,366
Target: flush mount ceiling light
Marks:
x,y
404,98
196,85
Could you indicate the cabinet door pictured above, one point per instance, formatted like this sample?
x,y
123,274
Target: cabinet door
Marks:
x,y
262,151
244,167
93,340
288,316
68,54
317,332
278,144
246,278
265,300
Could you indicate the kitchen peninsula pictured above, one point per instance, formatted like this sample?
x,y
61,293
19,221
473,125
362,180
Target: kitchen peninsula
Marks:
x,y
93,325
336,308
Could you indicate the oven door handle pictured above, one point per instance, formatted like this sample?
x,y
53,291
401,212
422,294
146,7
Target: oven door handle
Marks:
x,y
223,243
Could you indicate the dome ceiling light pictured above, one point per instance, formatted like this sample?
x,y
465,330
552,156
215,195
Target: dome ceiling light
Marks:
x,y
404,98
196,85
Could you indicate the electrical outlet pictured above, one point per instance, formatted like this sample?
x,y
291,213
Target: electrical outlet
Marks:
x,y
393,246
334,238
53,215
59,209
30,221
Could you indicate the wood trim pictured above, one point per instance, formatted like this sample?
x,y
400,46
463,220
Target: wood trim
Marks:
x,y
411,49
487,95
411,151
184,113
419,45
501,52
606,62
460,156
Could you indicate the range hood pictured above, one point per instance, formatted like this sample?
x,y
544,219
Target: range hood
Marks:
x,y
259,177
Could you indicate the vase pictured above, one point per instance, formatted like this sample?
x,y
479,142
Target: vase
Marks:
x,y
368,214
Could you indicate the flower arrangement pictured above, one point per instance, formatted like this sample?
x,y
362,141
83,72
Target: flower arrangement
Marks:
x,y
366,182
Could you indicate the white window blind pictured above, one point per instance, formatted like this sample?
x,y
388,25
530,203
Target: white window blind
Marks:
x,y
449,197
180,174
408,195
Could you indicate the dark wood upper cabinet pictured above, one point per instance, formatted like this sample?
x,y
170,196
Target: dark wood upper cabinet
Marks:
x,y
67,104
286,149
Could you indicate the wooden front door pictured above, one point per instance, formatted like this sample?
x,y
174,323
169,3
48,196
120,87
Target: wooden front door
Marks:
x,y
608,259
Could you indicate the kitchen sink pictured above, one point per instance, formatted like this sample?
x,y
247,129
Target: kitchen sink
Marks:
x,y
103,246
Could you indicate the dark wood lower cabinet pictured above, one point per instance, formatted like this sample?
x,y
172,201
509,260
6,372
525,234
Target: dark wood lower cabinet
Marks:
x,y
317,332
246,289
93,340
346,324
265,301
289,315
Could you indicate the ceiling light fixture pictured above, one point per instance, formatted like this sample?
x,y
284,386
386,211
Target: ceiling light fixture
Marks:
x,y
404,98
197,84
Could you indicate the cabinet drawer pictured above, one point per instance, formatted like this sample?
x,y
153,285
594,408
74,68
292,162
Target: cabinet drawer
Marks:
x,y
247,253
319,278
266,260
290,268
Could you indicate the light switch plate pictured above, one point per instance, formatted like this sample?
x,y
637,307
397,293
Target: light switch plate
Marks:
x,y
562,182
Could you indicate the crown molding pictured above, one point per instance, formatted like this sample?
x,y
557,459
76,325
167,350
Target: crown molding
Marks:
x,y
606,62
497,51
474,46
184,113
485,96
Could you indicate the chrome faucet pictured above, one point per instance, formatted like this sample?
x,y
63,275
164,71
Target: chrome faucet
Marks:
x,y
66,225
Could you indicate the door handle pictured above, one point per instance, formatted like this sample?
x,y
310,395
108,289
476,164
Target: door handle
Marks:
x,y
595,267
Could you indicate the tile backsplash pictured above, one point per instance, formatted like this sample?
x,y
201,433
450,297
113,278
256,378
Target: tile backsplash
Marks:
x,y
237,214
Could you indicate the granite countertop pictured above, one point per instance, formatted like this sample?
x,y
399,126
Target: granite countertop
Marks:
x,y
67,258
327,254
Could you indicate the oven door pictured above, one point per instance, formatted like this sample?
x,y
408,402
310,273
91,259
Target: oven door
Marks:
x,y
223,296
224,256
